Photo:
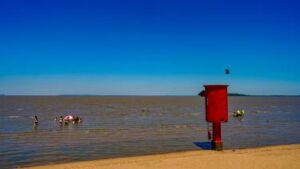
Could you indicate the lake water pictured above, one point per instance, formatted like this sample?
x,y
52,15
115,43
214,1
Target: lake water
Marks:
x,y
129,126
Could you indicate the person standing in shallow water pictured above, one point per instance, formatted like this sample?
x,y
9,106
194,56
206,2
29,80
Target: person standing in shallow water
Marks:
x,y
35,121
61,120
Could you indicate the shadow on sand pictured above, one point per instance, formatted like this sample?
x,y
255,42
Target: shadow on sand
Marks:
x,y
204,145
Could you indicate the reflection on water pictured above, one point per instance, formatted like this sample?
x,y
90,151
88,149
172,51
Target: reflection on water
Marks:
x,y
123,126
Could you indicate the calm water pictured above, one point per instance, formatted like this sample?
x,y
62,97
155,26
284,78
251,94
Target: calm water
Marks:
x,y
127,126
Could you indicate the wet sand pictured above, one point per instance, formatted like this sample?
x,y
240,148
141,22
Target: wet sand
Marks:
x,y
273,157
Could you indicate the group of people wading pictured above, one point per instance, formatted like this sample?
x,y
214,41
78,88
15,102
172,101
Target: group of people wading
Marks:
x,y
68,119
62,120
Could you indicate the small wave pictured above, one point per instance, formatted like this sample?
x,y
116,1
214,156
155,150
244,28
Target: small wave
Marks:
x,y
14,117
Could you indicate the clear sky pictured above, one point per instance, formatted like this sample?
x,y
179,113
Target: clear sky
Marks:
x,y
157,47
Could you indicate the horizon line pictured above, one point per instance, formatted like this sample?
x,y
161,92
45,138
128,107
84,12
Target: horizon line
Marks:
x,y
229,94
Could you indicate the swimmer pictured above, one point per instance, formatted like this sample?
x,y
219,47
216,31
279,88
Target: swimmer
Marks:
x,y
238,113
68,118
35,121
60,120
77,120
66,122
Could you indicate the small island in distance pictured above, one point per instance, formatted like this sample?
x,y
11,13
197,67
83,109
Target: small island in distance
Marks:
x,y
237,94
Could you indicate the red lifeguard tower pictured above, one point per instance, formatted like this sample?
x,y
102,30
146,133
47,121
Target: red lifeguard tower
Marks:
x,y
216,110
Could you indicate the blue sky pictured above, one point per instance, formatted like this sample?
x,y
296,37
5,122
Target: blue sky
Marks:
x,y
148,47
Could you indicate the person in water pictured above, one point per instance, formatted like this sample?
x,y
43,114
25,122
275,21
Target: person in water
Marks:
x,y
35,121
238,113
61,120
77,120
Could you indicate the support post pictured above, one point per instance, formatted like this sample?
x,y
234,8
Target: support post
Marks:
x,y
217,143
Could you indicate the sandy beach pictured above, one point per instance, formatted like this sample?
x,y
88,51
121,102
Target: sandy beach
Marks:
x,y
285,156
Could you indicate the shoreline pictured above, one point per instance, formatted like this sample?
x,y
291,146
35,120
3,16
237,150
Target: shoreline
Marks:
x,y
281,156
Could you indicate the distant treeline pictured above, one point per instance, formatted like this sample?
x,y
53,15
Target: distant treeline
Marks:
x,y
239,94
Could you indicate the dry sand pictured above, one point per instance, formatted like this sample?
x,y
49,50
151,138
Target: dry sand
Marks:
x,y
285,157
